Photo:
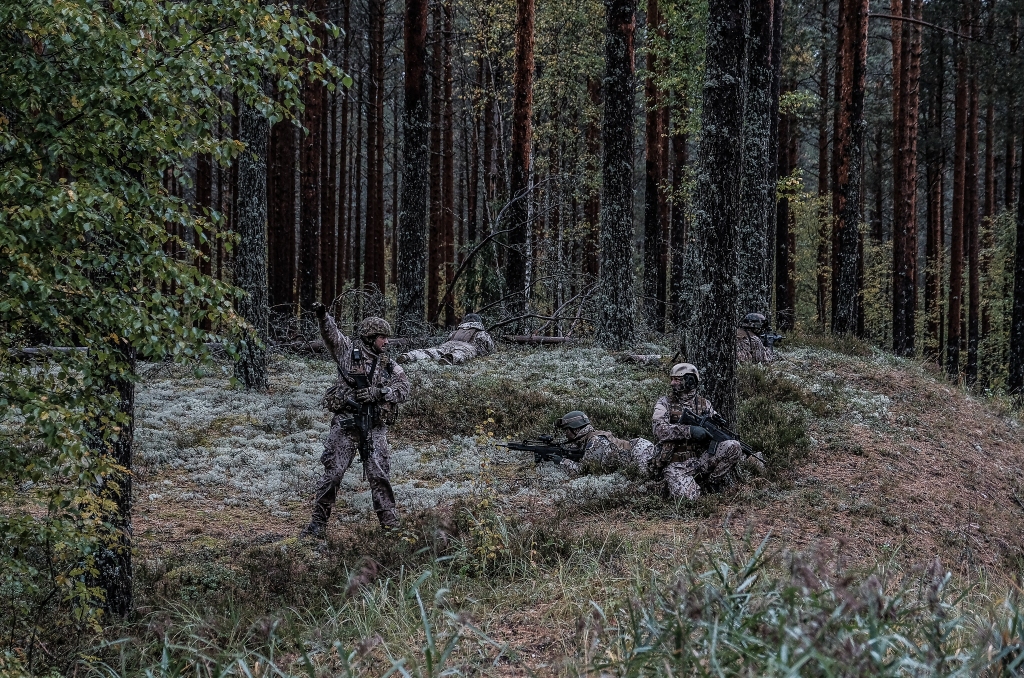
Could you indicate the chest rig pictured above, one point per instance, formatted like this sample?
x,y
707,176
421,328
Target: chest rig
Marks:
x,y
465,335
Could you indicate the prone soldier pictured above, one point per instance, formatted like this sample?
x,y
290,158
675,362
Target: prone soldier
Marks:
x,y
601,451
364,401
469,341
692,461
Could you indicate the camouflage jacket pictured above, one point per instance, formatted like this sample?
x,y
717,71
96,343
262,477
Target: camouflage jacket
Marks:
x,y
475,334
383,373
602,452
749,348
673,437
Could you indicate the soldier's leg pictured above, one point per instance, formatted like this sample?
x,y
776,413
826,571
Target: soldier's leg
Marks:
x,y
754,463
378,473
644,456
339,450
680,482
721,466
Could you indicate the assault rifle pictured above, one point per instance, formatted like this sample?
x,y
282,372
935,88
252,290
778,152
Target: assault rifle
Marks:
x,y
715,426
769,340
545,448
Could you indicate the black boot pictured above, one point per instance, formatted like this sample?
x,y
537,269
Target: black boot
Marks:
x,y
315,530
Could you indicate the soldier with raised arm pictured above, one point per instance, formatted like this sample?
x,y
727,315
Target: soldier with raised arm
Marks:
x,y
364,401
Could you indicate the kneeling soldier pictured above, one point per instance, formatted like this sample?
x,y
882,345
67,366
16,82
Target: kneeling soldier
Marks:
x,y
364,401
602,451
689,464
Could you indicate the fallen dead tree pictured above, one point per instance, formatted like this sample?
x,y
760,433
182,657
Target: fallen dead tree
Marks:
x,y
536,339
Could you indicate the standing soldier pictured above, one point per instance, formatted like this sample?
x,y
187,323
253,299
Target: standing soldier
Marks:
x,y
749,347
364,401
691,462
602,451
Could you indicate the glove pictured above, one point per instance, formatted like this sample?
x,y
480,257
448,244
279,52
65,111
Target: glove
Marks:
x,y
699,434
368,395
319,309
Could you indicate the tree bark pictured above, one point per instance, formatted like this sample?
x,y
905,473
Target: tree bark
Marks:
x,y
654,175
435,238
785,288
713,248
824,218
905,113
679,219
1015,382
328,225
847,162
971,226
757,206
281,215
956,243
616,326
592,204
375,267
519,166
934,244
251,252
309,175
342,266
415,168
448,167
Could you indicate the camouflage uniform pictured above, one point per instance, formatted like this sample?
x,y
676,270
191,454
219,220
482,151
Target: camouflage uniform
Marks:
x,y
604,453
750,348
712,465
343,440
469,341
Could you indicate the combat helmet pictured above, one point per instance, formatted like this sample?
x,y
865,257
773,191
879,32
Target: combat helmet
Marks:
x,y
752,321
372,327
573,420
472,318
680,369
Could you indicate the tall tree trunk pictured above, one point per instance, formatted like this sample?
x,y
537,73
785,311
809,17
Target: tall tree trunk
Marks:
x,y
592,204
757,206
824,218
281,215
654,173
448,169
617,323
251,252
905,114
934,243
1015,381
785,283
396,120
519,166
971,226
679,218
956,243
375,148
343,162
309,171
415,170
358,228
713,247
847,163
329,226
435,242
664,209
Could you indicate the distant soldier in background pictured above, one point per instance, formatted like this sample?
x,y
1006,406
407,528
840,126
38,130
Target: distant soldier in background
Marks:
x,y
749,347
364,401
602,451
691,465
469,341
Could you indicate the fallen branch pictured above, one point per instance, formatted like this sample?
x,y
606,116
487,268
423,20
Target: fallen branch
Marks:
x,y
536,339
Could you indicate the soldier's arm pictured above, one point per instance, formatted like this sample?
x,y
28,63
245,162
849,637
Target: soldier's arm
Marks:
x,y
663,429
398,390
484,343
336,342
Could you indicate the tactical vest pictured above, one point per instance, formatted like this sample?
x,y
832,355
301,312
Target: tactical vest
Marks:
x,y
465,335
623,445
685,449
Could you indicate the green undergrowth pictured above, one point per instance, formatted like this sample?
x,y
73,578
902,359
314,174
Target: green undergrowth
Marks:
x,y
431,602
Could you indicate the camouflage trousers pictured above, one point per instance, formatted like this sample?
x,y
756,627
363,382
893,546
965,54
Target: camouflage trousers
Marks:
x,y
449,353
340,450
686,479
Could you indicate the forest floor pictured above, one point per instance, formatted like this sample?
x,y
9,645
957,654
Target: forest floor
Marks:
x,y
897,467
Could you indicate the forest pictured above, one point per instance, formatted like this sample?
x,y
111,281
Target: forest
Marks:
x,y
610,185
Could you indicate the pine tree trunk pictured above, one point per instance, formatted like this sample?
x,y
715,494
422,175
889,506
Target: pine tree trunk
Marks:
x,y
785,303
329,226
757,207
664,209
934,245
448,169
357,223
375,148
435,238
309,176
114,561
251,251
824,218
712,266
679,219
905,115
1015,381
971,226
592,204
519,165
415,169
653,173
281,215
847,163
956,245
616,325
343,162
